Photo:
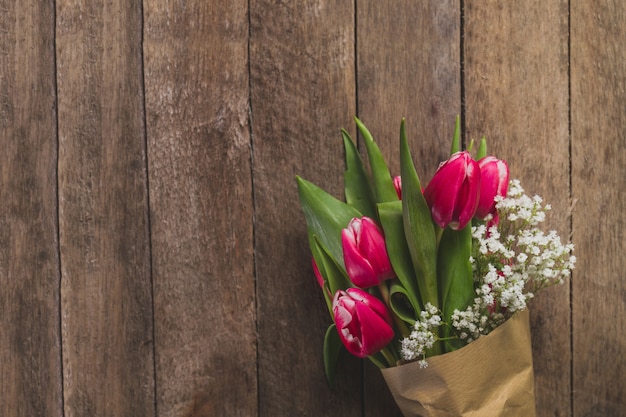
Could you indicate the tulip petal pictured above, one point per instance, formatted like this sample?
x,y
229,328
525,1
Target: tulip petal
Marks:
x,y
452,194
494,181
365,298
372,246
443,189
358,267
377,334
468,195
363,322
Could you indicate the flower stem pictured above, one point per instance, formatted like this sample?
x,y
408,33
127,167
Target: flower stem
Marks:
x,y
391,360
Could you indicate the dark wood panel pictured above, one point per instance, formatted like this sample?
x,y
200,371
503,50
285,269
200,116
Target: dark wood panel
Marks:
x,y
516,92
303,92
197,101
103,219
30,351
408,66
598,74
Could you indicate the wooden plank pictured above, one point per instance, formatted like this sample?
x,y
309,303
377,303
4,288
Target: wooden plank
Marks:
x,y
303,92
30,353
516,93
408,63
197,102
598,71
409,66
105,257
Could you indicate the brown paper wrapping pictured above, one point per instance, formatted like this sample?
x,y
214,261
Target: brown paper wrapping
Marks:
x,y
492,376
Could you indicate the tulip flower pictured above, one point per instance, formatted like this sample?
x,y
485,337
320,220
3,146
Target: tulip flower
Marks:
x,y
363,322
453,193
317,273
494,181
364,253
397,184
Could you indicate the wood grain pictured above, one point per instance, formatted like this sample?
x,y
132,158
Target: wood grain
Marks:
x,y
153,255
197,101
516,92
598,71
103,218
30,351
303,92
408,65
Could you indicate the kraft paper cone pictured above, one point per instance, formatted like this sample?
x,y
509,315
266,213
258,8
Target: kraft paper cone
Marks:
x,y
492,376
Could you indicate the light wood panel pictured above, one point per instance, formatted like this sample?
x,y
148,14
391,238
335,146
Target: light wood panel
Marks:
x,y
598,74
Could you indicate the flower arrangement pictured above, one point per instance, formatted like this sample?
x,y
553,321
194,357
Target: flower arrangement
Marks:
x,y
411,272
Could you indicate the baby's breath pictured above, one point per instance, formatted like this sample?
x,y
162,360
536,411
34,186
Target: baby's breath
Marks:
x,y
510,262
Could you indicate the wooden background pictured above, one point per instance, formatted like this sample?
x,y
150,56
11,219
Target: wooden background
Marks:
x,y
153,258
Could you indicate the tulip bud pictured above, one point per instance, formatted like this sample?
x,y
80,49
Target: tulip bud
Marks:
x,y
317,273
494,181
363,322
453,193
365,254
397,184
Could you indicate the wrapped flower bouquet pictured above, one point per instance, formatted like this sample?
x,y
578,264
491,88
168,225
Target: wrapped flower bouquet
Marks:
x,y
431,283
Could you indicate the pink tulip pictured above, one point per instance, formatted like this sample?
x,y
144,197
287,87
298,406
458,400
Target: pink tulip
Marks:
x,y
397,184
363,322
452,194
365,254
318,275
494,181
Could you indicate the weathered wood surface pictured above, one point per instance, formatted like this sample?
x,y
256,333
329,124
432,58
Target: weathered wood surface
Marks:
x,y
30,340
516,94
598,80
201,207
302,92
104,245
153,258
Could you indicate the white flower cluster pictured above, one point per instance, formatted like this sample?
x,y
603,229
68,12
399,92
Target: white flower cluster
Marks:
x,y
422,336
511,260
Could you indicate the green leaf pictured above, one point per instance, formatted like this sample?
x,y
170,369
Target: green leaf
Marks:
x,y
357,184
419,229
382,183
456,138
482,149
455,270
332,350
401,305
333,273
325,216
393,226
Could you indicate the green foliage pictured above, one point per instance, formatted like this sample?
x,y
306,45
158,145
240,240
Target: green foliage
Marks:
x,y
419,229
431,265
357,186
332,350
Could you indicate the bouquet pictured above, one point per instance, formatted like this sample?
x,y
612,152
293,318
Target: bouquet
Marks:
x,y
417,278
